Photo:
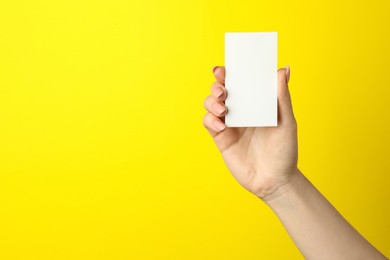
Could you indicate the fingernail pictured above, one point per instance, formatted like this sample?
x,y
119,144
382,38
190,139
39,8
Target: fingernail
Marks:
x,y
287,72
219,108
218,92
219,125
214,68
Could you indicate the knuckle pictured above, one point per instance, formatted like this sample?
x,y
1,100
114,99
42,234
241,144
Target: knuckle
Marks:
x,y
209,103
206,120
206,102
212,86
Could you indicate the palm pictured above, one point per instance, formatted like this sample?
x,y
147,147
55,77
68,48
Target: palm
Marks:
x,y
260,158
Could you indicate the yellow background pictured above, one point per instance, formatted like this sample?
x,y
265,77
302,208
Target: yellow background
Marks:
x,y
102,150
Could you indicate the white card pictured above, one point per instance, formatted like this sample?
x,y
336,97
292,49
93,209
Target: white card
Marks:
x,y
251,79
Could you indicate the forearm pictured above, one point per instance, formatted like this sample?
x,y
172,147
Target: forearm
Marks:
x,y
315,226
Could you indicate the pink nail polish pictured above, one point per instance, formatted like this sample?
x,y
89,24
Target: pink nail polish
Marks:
x,y
218,92
214,68
219,108
219,125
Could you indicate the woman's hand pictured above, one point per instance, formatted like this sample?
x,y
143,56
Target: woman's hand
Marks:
x,y
262,159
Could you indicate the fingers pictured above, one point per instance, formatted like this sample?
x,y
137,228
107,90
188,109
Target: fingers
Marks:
x,y
218,91
285,112
213,121
215,107
213,124
219,74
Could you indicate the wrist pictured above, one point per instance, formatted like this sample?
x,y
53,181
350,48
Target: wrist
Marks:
x,y
294,183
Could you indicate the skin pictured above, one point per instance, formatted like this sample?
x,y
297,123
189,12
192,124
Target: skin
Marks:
x,y
260,158
264,161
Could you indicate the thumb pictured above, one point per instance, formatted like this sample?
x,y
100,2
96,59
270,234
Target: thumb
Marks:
x,y
285,112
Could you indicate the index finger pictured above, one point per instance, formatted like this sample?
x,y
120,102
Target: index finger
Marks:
x,y
219,74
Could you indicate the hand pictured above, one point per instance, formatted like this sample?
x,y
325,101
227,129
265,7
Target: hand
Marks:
x,y
261,159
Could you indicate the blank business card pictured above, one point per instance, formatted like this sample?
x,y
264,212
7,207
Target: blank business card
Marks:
x,y
251,79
